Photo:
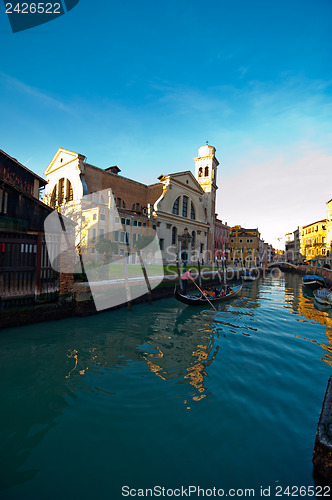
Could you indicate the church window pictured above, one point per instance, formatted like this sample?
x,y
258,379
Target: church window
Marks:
x,y
53,198
174,234
61,191
192,212
176,204
69,191
206,171
185,206
200,172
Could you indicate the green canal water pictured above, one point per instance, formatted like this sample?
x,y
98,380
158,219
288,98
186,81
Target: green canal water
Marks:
x,y
166,395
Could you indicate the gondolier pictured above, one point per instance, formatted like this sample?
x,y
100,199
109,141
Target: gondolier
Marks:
x,y
184,281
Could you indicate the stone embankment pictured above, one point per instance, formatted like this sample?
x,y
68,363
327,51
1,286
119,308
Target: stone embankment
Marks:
x,y
77,298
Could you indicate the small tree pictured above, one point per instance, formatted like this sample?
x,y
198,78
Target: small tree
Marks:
x,y
107,248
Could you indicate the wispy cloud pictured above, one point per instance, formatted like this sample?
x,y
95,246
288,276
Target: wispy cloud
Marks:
x,y
42,97
278,193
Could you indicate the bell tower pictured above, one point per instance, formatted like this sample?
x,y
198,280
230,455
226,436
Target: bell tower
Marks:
x,y
206,165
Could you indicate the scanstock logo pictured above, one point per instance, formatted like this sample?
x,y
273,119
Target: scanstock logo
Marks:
x,y
119,253
29,14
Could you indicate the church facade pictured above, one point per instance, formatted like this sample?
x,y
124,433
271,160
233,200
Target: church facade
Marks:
x,y
180,207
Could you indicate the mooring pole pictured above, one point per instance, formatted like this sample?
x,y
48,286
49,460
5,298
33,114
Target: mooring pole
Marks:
x,y
218,270
145,276
179,275
125,268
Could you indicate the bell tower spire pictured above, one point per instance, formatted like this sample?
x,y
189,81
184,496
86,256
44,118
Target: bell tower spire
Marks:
x,y
206,174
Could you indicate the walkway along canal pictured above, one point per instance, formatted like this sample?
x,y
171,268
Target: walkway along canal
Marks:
x,y
166,395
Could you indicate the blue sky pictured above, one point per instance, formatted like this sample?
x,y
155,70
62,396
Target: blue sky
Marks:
x,y
143,84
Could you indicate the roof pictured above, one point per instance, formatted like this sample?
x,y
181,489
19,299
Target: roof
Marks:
x,y
313,223
43,181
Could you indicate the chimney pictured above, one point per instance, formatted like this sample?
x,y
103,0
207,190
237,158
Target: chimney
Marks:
x,y
113,170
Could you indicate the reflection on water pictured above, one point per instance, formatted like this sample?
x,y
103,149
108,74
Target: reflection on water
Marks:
x,y
302,302
225,385
181,347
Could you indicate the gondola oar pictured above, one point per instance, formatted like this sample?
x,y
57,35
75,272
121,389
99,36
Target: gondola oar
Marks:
x,y
205,297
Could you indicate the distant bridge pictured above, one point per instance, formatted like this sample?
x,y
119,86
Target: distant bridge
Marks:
x,y
282,264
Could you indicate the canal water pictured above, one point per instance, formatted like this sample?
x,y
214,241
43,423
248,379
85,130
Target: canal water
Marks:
x,y
166,395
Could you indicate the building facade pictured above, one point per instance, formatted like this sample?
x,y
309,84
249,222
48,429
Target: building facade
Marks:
x,y
104,204
329,230
221,240
313,240
25,270
244,246
292,247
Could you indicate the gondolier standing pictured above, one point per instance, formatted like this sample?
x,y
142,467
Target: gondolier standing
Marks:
x,y
184,281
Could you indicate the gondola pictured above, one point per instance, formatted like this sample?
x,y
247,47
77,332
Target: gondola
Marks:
x,y
196,300
313,281
323,296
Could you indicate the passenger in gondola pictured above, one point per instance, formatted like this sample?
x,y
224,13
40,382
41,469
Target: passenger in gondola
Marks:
x,y
184,281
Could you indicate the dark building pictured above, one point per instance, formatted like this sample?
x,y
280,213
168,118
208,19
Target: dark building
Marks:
x,y
25,271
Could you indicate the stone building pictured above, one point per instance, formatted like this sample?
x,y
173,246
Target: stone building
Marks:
x,y
313,242
221,240
180,207
244,246
292,247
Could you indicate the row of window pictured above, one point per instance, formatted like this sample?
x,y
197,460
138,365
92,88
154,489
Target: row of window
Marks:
x,y
312,241
313,229
240,241
124,221
219,245
311,252
136,207
221,232
242,250
119,236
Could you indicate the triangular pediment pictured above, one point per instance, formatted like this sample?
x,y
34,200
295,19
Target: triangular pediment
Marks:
x,y
186,178
61,159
